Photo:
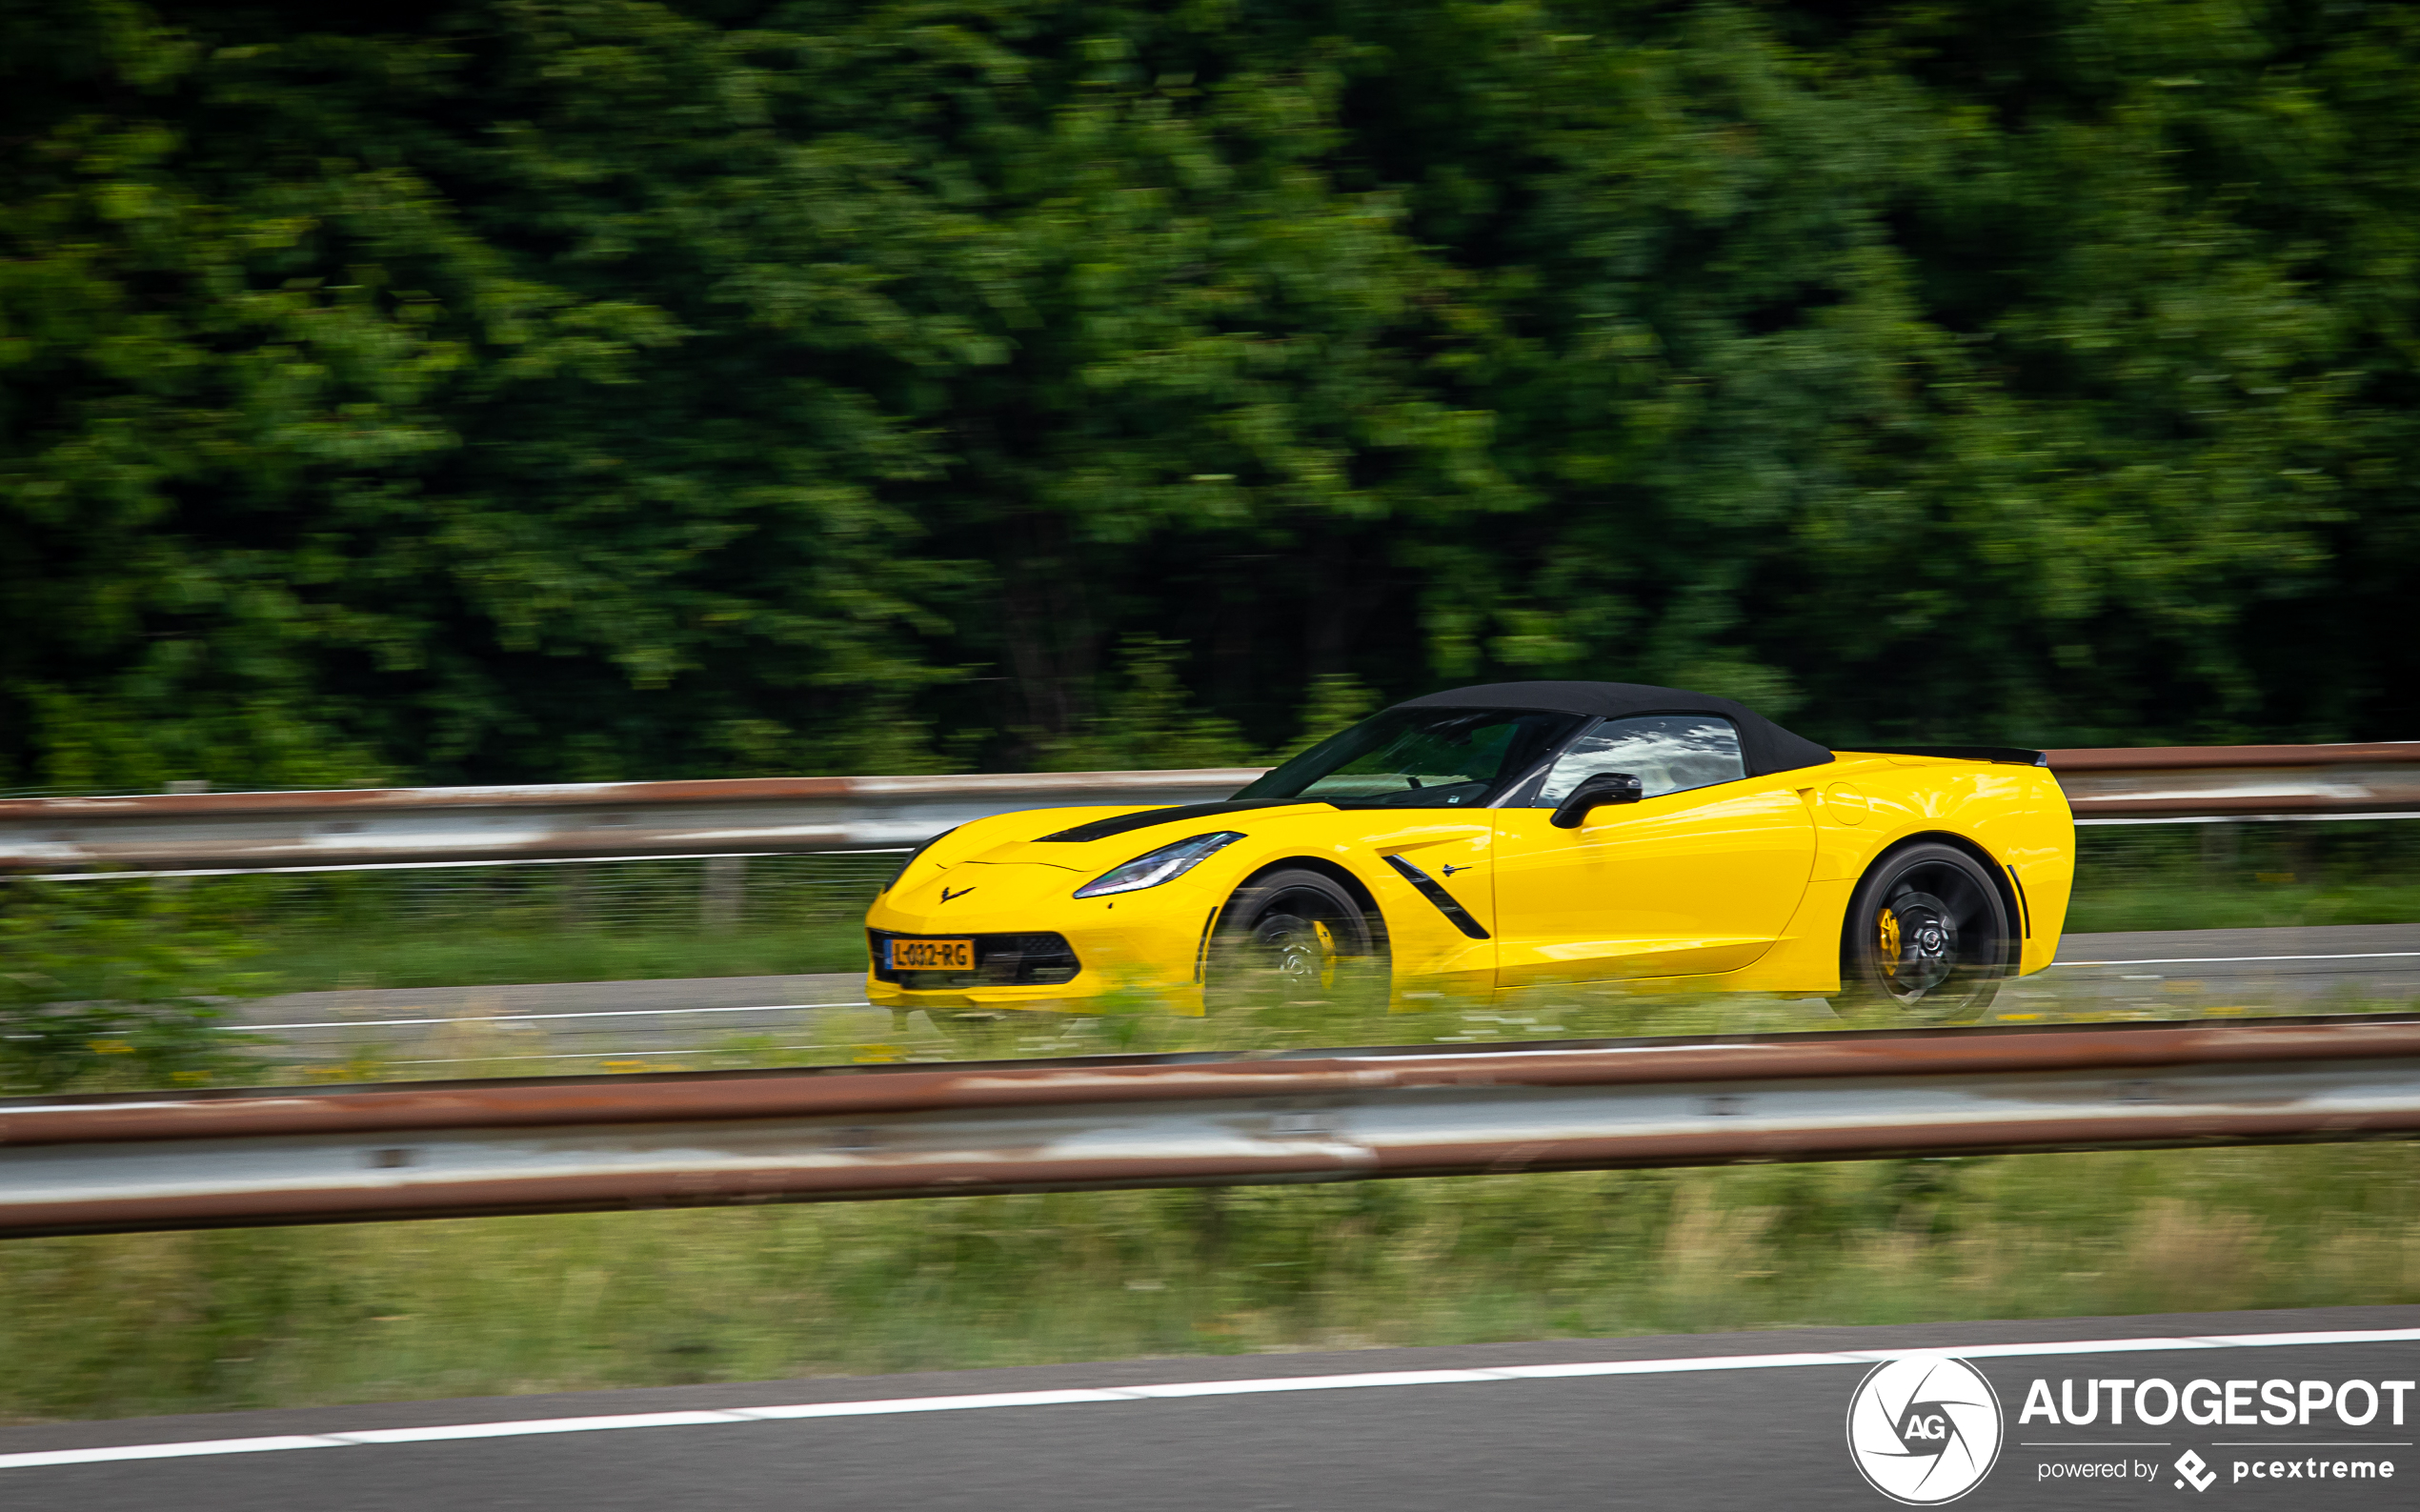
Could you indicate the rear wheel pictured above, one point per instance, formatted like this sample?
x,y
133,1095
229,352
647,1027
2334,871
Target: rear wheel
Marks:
x,y
1927,937
1287,937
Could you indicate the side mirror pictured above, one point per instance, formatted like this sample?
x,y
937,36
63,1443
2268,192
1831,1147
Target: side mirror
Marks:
x,y
1604,787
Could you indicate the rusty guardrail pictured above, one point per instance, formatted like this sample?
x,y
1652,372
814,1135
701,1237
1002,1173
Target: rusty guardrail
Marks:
x,y
2156,784
348,828
206,832
138,1161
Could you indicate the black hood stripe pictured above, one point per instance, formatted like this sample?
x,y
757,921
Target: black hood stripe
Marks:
x,y
1127,823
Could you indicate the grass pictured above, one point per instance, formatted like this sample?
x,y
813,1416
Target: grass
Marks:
x,y
2163,904
312,961
180,1322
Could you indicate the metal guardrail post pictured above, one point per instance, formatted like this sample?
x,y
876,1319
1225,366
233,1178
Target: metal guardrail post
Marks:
x,y
722,895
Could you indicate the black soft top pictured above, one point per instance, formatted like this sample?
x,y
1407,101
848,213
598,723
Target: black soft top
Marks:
x,y
1767,746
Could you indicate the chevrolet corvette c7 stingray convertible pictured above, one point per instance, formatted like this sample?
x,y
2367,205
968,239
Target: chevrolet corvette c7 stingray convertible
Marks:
x,y
1506,839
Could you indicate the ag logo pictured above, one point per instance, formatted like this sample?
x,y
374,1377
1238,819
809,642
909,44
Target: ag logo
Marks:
x,y
1923,1430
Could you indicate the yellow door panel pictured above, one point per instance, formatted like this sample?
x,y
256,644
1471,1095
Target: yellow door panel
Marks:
x,y
1806,960
1684,884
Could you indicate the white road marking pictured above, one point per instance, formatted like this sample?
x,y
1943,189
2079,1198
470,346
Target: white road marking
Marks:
x,y
1171,1390
883,1409
169,1451
533,1425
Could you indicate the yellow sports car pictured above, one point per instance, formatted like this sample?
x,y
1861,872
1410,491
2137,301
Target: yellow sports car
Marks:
x,y
1504,838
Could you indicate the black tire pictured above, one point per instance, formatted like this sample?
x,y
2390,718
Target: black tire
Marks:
x,y
1287,937
1927,936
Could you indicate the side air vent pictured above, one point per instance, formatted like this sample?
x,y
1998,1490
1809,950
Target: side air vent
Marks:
x,y
1435,891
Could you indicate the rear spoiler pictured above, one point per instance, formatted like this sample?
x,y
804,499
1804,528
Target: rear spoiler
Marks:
x,y
2013,756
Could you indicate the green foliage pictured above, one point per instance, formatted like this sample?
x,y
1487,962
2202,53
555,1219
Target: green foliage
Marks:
x,y
1335,701
1146,722
519,390
114,985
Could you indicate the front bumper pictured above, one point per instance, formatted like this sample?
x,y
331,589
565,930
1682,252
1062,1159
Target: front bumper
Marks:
x,y
1094,953
1022,960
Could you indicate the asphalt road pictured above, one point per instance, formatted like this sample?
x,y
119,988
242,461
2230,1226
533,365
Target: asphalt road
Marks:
x,y
2201,970
1756,1420
576,1026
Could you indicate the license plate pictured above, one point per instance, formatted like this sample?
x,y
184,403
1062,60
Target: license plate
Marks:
x,y
932,954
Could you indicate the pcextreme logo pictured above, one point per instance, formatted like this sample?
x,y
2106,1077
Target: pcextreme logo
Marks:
x,y
1923,1430
2193,1470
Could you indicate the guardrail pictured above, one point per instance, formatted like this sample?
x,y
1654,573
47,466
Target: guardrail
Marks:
x,y
579,820
210,832
310,1156
2163,784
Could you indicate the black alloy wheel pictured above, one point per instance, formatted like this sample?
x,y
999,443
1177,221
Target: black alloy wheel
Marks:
x,y
1287,937
1927,936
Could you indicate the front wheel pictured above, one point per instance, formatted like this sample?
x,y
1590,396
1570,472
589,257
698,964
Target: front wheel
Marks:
x,y
1927,937
1287,937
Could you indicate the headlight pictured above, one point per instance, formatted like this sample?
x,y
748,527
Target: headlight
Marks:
x,y
1163,865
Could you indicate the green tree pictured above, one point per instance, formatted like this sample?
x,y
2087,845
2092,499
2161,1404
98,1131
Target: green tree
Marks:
x,y
518,389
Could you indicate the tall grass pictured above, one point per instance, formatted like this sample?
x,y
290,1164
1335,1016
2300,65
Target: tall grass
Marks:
x,y
176,1322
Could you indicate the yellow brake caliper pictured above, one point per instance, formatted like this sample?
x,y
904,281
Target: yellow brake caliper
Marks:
x,y
1327,953
1889,941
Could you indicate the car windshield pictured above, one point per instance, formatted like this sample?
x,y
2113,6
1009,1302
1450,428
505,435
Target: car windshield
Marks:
x,y
1421,758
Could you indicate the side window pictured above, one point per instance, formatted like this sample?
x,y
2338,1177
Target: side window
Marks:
x,y
1668,752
